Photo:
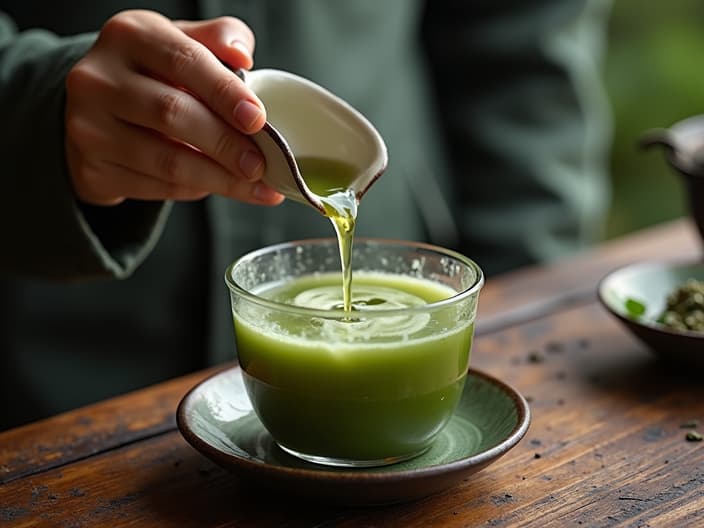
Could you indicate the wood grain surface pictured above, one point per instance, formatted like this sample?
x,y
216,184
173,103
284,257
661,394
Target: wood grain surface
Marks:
x,y
75,435
533,292
606,446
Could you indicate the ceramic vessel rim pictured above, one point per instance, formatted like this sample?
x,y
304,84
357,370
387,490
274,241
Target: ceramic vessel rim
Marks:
x,y
234,287
647,324
381,158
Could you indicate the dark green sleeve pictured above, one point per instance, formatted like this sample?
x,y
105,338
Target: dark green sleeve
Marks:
x,y
43,230
518,90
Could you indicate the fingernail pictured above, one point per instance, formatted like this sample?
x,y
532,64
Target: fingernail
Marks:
x,y
247,114
251,164
264,193
243,49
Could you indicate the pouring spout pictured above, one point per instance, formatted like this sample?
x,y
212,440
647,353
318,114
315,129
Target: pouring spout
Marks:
x,y
657,137
684,151
683,142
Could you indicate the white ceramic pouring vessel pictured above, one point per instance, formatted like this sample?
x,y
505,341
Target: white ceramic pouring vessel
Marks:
x,y
306,120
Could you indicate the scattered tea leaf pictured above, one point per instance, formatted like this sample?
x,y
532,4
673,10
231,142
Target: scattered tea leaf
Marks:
x,y
693,436
535,357
634,307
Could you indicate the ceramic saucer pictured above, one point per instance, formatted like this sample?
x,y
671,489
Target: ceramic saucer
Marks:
x,y
217,419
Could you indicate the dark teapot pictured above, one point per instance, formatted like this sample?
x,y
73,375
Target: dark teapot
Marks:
x,y
684,150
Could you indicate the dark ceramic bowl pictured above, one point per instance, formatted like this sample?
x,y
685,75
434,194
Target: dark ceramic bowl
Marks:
x,y
684,151
649,284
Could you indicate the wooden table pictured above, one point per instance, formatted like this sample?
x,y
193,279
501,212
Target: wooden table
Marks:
x,y
605,447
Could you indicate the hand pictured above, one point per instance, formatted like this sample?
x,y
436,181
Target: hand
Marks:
x,y
152,113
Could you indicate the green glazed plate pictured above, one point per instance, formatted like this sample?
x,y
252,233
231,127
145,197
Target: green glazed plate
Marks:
x,y
216,418
649,283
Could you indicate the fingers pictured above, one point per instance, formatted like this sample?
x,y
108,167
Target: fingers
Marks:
x,y
124,183
151,101
178,114
171,55
180,165
136,163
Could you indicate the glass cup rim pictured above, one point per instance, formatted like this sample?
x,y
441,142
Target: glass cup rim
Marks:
x,y
339,313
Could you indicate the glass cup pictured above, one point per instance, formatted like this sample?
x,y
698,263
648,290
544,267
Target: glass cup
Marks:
x,y
363,388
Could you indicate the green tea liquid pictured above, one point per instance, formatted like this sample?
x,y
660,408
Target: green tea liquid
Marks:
x,y
330,180
367,388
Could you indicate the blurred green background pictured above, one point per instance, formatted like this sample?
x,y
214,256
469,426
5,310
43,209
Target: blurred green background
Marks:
x,y
654,76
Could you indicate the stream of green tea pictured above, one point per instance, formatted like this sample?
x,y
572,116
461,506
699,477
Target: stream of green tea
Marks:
x,y
330,180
